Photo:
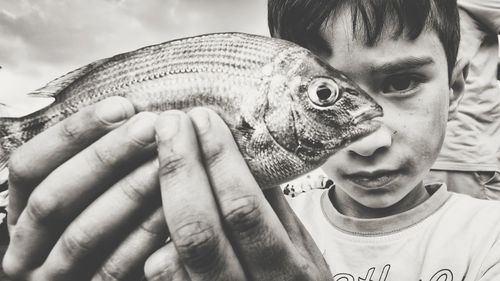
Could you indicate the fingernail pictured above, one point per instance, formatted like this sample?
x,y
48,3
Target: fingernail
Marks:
x,y
167,124
201,119
114,109
142,127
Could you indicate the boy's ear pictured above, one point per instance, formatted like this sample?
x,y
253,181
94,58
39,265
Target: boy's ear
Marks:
x,y
457,84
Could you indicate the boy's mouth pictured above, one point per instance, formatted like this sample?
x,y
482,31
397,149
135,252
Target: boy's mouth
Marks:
x,y
373,179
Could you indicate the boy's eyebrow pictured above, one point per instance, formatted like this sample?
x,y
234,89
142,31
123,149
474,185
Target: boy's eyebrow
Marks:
x,y
402,64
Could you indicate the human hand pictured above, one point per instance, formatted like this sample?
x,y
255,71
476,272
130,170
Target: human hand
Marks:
x,y
221,225
83,197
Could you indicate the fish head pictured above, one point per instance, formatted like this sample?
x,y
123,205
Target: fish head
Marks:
x,y
326,110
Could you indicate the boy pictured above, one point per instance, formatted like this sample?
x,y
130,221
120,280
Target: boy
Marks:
x,y
379,223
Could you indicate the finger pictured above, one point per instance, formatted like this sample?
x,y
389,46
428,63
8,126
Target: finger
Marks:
x,y
57,144
104,224
74,185
127,261
256,233
298,234
165,264
190,209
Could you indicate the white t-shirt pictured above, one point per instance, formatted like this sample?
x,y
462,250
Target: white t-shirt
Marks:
x,y
449,237
472,141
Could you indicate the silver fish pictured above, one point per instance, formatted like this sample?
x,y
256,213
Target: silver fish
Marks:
x,y
288,111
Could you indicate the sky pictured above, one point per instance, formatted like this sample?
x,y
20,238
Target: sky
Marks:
x,y
41,40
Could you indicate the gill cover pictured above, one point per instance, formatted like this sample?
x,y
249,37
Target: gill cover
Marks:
x,y
283,116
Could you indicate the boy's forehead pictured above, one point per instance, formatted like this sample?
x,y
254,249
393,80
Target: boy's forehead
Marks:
x,y
348,45
352,29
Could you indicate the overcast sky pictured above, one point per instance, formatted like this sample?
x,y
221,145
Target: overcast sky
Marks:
x,y
43,39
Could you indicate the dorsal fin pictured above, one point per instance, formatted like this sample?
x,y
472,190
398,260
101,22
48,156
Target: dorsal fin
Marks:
x,y
54,87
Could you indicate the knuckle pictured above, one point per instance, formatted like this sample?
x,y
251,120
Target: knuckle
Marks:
x,y
19,170
155,226
197,245
70,130
43,208
164,267
108,272
214,150
242,212
76,242
133,188
103,155
173,163
169,271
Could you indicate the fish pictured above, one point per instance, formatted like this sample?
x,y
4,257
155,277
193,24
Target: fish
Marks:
x,y
288,110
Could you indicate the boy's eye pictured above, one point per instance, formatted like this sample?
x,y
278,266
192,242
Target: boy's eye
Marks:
x,y
400,83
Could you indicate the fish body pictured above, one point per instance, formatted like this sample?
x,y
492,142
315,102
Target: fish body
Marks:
x,y
288,111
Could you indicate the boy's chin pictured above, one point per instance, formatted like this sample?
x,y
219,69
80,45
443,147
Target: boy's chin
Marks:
x,y
382,199
391,202
385,202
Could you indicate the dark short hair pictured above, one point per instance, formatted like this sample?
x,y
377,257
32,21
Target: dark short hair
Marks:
x,y
301,21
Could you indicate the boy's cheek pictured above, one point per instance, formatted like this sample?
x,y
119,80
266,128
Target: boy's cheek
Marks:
x,y
426,135
338,164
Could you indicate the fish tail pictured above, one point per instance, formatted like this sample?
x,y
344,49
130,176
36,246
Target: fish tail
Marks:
x,y
8,127
5,131
4,158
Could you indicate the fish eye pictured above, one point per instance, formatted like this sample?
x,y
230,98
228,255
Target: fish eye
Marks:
x,y
323,92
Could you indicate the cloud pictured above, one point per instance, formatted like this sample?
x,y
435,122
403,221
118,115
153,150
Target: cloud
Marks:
x,y
65,31
42,39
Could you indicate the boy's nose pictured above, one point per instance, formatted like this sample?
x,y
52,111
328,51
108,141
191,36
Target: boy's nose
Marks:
x,y
368,145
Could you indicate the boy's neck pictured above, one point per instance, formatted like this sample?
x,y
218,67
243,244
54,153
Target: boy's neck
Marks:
x,y
350,207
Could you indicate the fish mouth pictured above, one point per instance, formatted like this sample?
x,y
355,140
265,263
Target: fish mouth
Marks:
x,y
367,114
364,121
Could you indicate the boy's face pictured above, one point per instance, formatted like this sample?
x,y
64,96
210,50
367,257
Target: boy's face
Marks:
x,y
409,79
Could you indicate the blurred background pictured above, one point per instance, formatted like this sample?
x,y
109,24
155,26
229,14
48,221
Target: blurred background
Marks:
x,y
43,39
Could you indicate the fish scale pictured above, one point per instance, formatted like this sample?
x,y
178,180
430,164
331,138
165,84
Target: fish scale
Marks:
x,y
209,62
265,89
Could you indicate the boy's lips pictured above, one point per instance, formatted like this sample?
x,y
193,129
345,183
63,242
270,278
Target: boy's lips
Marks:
x,y
374,179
